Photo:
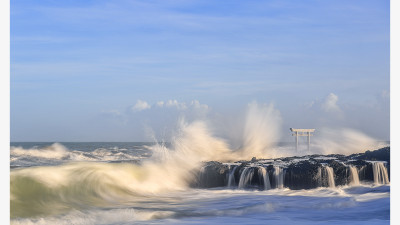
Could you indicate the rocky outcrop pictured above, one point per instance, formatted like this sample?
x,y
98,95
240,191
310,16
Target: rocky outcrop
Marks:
x,y
212,174
382,154
292,172
303,175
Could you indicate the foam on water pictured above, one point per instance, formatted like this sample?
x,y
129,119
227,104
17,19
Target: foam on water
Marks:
x,y
158,187
55,151
83,184
277,206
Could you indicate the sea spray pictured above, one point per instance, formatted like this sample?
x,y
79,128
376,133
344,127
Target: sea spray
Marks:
x,y
262,172
380,173
47,190
342,141
354,178
168,169
261,131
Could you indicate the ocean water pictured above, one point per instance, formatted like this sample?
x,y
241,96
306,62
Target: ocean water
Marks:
x,y
148,183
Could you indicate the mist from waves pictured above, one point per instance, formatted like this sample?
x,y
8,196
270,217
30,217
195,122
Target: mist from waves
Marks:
x,y
76,185
260,135
82,184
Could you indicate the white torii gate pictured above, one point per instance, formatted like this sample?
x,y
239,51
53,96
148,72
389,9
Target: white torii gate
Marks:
x,y
302,132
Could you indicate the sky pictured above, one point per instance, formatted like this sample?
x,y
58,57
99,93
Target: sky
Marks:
x,y
128,70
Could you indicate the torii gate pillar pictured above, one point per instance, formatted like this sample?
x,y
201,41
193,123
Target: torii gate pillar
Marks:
x,y
302,132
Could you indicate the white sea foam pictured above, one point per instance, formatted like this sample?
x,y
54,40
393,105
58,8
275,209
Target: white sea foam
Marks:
x,y
54,151
86,185
278,206
59,153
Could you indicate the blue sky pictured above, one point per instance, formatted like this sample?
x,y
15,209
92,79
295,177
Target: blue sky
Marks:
x,y
99,70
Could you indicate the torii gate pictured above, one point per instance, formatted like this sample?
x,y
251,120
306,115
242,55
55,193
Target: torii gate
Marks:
x,y
302,132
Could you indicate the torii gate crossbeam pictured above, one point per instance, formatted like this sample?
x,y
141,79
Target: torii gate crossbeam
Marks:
x,y
302,132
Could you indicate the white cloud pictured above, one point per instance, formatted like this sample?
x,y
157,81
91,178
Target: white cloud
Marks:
x,y
140,105
175,103
197,105
194,108
330,103
194,104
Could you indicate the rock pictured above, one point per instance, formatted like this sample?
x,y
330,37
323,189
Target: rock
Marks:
x,y
341,174
302,175
382,154
298,172
213,174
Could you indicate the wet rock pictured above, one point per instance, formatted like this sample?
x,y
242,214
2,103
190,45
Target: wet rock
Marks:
x,y
298,172
213,174
382,154
341,174
302,175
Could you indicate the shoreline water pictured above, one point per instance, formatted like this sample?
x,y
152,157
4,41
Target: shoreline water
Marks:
x,y
115,184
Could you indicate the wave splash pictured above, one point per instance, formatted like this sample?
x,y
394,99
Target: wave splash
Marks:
x,y
78,185
55,189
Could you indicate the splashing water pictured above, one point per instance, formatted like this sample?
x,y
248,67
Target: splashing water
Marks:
x,y
81,185
245,177
231,178
342,141
168,169
319,177
330,176
262,172
261,131
55,151
278,175
380,173
355,181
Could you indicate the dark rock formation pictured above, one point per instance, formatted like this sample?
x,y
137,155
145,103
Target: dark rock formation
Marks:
x,y
382,154
340,171
303,175
297,172
213,174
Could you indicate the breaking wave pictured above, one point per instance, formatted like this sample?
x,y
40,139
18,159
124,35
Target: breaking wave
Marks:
x,y
79,185
55,151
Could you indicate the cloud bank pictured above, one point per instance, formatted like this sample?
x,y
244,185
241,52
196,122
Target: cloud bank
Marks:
x,y
330,103
140,106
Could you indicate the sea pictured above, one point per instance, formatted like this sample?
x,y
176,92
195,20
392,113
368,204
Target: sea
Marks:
x,y
148,183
